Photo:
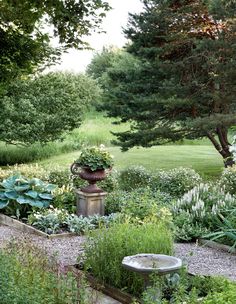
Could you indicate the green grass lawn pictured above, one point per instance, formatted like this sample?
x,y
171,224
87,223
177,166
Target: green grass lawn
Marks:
x,y
204,159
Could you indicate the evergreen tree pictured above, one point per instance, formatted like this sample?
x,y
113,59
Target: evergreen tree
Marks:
x,y
183,81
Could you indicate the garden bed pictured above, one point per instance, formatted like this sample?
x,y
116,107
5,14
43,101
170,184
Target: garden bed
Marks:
x,y
9,221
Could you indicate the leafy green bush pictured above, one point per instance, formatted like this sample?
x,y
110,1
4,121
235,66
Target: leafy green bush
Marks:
x,y
27,276
228,180
176,181
18,195
60,177
65,198
134,177
106,249
121,200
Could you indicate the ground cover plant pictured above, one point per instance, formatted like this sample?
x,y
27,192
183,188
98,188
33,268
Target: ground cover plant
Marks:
x,y
28,276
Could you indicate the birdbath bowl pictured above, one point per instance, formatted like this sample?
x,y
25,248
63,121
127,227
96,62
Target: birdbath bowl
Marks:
x,y
146,264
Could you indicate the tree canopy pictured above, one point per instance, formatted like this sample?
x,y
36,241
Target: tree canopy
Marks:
x,y
27,26
44,108
182,82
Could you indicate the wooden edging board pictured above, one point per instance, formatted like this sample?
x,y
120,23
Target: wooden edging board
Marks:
x,y
9,221
106,289
216,245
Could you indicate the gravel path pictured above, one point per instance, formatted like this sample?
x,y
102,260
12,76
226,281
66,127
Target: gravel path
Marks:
x,y
207,261
200,260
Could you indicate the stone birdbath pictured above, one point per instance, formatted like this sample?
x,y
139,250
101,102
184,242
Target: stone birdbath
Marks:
x,y
146,264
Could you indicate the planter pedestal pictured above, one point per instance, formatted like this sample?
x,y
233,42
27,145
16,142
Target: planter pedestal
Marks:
x,y
90,203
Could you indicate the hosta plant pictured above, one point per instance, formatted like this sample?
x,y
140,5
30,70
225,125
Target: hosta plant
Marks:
x,y
19,194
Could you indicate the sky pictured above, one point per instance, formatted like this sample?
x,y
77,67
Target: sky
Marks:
x,y
76,61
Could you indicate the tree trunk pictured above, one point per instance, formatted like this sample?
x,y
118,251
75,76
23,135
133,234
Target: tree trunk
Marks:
x,y
222,146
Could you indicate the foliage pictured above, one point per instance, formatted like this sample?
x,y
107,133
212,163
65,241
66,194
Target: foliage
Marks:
x,y
138,200
27,276
26,28
134,177
180,80
228,180
226,232
19,194
29,171
176,181
200,208
186,229
43,108
65,198
187,289
106,248
95,158
54,220
205,201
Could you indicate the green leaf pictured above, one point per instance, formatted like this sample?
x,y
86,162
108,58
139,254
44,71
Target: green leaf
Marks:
x,y
23,200
32,193
10,182
46,196
11,194
37,203
3,204
22,188
50,187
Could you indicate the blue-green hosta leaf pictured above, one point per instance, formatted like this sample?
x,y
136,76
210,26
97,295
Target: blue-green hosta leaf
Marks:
x,y
10,182
37,203
32,193
23,200
50,187
37,182
22,188
46,196
11,194
3,204
2,196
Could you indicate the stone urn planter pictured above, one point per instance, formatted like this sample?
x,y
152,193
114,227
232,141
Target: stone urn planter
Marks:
x,y
91,176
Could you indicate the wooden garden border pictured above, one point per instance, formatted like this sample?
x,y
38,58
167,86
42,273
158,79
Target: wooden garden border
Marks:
x,y
9,221
106,289
216,245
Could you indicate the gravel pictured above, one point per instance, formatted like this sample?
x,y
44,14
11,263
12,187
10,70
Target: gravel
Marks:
x,y
199,259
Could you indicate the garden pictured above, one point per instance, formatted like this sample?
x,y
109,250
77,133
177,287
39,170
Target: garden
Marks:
x,y
118,184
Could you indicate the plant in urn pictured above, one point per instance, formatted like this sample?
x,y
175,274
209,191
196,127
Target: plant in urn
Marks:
x,y
91,166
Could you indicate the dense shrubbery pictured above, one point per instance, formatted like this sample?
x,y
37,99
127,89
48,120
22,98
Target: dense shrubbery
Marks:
x,y
27,276
176,181
107,247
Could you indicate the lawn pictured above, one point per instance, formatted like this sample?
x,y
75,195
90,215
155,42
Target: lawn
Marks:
x,y
204,159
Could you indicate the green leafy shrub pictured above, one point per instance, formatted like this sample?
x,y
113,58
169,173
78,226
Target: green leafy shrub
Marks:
x,y
228,180
27,276
134,177
106,249
176,181
18,195
141,198
65,198
60,177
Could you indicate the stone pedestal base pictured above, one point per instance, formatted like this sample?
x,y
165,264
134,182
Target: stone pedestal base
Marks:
x,y
90,203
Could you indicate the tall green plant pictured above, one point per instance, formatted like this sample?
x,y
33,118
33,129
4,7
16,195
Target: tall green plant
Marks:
x,y
106,248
